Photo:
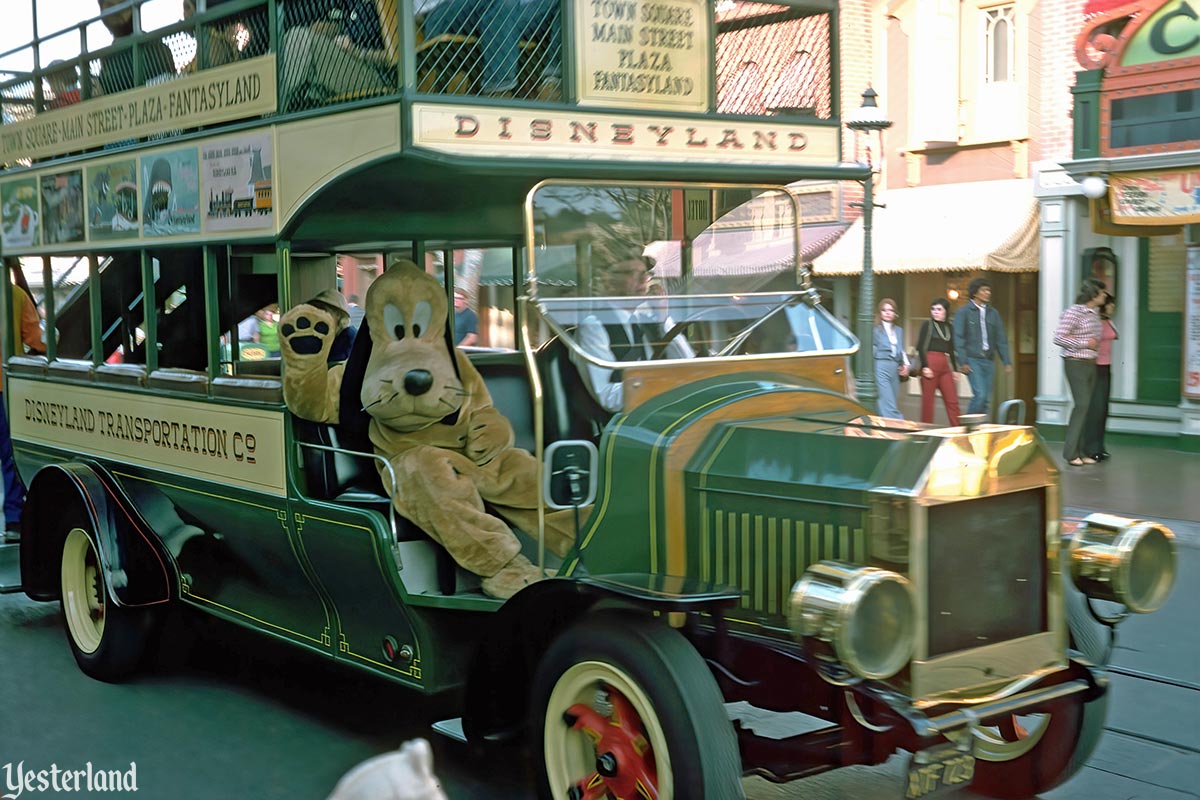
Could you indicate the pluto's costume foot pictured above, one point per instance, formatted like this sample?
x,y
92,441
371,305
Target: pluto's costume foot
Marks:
x,y
512,578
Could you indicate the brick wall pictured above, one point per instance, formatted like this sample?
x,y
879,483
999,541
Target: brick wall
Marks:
x,y
1061,21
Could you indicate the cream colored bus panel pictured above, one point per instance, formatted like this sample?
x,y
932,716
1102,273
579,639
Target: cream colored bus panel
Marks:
x,y
226,445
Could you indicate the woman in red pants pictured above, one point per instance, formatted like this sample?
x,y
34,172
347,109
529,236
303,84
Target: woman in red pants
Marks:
x,y
935,348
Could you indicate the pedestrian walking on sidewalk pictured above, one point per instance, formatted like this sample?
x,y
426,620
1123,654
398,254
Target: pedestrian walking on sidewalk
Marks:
x,y
1097,418
1078,334
935,350
891,362
979,339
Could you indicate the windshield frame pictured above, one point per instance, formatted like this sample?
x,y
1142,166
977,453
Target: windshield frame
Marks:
x,y
806,295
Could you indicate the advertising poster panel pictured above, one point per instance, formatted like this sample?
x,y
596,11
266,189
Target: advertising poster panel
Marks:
x,y
237,183
112,200
19,209
62,207
171,193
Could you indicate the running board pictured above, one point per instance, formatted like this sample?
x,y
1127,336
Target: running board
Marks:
x,y
451,729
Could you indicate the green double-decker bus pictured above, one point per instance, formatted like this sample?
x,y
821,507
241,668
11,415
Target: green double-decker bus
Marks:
x,y
749,541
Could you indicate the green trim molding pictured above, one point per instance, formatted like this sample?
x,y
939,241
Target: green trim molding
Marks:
x,y
1174,441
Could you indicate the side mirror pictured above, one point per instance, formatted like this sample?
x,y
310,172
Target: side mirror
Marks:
x,y
570,473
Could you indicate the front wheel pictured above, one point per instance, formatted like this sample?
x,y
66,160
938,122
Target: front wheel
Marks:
x,y
106,640
625,707
1024,755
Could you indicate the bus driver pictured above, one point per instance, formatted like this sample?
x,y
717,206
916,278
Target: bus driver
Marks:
x,y
618,334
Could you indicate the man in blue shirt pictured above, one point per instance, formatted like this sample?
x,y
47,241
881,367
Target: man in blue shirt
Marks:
x,y
978,339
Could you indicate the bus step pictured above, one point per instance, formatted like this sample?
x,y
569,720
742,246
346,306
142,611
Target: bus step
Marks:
x,y
451,729
10,568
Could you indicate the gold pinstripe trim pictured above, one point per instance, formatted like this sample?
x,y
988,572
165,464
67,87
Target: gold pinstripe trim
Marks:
x,y
678,542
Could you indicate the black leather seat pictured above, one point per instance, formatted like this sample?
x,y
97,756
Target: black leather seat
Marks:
x,y
570,410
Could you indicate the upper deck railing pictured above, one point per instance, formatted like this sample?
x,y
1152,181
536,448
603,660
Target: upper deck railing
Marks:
x,y
284,57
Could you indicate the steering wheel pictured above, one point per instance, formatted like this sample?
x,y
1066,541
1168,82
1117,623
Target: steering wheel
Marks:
x,y
676,330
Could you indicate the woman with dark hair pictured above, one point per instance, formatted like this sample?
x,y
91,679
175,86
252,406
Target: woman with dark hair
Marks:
x,y
891,362
1078,334
935,350
1097,418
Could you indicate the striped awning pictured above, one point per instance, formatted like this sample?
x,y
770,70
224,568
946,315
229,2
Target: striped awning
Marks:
x,y
954,227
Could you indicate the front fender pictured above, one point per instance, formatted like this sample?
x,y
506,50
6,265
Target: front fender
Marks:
x,y
137,570
522,630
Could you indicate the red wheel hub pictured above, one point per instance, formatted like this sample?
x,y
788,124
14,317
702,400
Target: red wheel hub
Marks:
x,y
1011,730
624,760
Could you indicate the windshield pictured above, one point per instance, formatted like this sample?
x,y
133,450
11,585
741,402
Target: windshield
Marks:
x,y
670,272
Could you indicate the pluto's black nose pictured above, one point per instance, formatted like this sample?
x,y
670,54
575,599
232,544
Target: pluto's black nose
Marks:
x,y
418,382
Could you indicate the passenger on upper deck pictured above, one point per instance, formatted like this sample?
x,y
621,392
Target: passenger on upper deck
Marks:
x,y
332,48
116,70
500,25
617,334
222,44
64,85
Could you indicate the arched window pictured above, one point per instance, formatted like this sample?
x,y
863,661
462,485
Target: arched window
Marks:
x,y
999,44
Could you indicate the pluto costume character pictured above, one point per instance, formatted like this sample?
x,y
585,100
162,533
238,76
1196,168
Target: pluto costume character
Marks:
x,y
432,418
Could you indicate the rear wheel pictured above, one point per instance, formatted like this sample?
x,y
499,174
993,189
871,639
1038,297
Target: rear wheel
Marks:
x,y
106,640
626,708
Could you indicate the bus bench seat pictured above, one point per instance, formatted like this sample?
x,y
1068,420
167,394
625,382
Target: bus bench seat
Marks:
x,y
258,390
27,365
122,374
507,381
266,367
71,369
179,380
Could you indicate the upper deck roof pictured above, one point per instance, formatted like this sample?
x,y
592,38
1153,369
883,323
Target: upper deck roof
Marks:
x,y
667,64
294,116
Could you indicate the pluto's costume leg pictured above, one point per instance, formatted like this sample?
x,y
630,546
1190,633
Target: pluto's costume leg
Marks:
x,y
437,492
509,483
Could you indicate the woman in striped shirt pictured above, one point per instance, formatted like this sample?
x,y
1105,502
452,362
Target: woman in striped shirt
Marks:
x,y
1078,334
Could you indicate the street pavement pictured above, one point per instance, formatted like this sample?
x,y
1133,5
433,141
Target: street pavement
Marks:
x,y
237,716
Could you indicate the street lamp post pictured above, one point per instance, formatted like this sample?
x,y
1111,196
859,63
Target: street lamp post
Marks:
x,y
868,119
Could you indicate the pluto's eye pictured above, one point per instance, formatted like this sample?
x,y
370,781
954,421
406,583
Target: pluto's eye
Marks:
x,y
422,315
393,320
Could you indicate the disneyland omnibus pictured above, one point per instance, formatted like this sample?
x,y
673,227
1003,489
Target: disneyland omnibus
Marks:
x,y
745,540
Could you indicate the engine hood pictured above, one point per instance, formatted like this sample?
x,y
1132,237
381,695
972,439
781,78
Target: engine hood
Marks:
x,y
840,454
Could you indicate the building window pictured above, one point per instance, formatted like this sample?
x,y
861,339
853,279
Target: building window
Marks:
x,y
999,40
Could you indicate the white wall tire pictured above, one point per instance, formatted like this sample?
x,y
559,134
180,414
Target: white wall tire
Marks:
x,y
106,639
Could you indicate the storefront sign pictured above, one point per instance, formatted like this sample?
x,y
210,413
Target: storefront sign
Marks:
x,y
1155,198
235,91
483,131
650,54
1172,32
1191,326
